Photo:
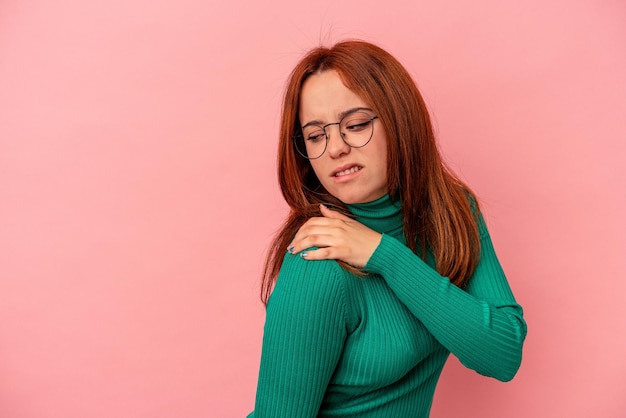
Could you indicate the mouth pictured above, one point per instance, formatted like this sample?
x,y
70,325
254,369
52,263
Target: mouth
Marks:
x,y
344,171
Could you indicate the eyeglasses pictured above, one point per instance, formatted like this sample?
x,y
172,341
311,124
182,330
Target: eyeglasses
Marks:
x,y
356,130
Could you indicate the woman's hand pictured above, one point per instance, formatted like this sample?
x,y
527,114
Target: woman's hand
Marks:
x,y
337,237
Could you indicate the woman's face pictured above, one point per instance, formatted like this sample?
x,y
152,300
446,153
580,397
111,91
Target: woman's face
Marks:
x,y
352,175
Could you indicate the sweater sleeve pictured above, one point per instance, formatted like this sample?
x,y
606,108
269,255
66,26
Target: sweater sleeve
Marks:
x,y
482,326
304,333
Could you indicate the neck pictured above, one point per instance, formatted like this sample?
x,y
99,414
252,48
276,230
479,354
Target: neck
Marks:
x,y
382,215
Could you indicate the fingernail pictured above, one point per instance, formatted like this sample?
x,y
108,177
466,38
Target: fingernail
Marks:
x,y
290,249
303,254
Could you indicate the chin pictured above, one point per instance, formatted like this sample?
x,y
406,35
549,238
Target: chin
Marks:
x,y
353,199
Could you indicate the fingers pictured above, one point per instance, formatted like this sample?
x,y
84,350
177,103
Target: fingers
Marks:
x,y
320,254
317,232
310,238
333,214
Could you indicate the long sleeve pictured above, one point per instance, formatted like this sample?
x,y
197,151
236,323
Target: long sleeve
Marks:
x,y
304,333
482,326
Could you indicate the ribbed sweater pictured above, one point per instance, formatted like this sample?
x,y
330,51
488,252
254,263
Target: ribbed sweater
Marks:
x,y
340,345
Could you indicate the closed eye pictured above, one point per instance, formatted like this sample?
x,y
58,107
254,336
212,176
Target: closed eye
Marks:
x,y
358,126
316,137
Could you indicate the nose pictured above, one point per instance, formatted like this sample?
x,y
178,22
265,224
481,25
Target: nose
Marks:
x,y
336,145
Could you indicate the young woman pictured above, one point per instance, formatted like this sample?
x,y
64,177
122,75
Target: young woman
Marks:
x,y
384,265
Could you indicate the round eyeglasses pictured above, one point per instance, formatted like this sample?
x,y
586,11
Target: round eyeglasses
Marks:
x,y
356,130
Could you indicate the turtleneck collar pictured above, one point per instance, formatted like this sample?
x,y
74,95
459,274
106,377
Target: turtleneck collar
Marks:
x,y
381,215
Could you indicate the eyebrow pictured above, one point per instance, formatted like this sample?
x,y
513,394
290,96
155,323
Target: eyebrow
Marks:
x,y
340,115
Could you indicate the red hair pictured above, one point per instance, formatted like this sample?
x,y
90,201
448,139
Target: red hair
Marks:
x,y
437,209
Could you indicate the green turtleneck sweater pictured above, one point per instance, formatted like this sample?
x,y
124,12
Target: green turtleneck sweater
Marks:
x,y
340,345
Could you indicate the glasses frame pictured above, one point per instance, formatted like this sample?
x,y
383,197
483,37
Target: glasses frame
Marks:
x,y
300,135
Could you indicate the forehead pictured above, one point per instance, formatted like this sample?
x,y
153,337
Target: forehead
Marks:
x,y
324,97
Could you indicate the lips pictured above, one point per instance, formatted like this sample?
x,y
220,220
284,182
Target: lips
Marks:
x,y
345,170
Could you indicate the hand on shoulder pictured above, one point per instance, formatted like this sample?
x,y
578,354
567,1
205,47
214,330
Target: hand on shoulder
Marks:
x,y
337,237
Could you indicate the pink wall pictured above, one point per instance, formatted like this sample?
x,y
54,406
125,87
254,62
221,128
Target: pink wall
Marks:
x,y
138,194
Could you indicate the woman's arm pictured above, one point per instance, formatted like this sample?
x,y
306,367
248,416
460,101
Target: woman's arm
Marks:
x,y
482,325
305,329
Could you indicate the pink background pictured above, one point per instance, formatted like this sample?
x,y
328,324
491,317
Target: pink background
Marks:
x,y
138,192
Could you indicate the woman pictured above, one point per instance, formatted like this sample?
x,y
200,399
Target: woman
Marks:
x,y
384,265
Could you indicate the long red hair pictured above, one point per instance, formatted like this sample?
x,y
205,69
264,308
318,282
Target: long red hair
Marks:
x,y
437,208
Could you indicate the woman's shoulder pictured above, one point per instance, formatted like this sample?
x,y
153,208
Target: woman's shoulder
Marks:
x,y
314,283
318,273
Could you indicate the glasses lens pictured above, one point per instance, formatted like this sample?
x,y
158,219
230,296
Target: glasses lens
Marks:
x,y
311,141
357,129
